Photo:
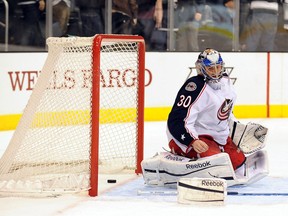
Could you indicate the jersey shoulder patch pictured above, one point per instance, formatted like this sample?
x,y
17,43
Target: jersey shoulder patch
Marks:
x,y
195,83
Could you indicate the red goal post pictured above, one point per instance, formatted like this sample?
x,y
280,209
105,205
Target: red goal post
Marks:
x,y
84,117
96,91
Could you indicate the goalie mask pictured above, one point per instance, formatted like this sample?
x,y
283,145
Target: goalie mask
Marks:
x,y
210,64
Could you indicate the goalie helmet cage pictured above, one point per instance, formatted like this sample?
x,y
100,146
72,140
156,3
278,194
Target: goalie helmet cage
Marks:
x,y
85,116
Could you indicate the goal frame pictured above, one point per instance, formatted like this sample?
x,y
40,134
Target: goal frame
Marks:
x,y
95,105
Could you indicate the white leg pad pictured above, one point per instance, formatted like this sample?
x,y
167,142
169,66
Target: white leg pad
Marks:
x,y
254,169
165,169
201,190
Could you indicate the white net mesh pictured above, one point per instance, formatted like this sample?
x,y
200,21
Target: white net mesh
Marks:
x,y
50,149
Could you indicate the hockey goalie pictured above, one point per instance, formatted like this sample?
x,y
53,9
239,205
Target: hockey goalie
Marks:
x,y
204,137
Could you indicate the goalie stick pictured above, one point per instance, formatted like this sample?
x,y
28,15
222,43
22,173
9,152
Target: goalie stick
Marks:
x,y
229,193
233,133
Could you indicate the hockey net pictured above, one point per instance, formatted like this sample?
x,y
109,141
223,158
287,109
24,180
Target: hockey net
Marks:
x,y
84,117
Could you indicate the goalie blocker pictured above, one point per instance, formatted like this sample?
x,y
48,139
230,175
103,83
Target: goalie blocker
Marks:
x,y
165,169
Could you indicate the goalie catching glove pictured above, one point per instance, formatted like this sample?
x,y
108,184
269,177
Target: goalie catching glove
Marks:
x,y
249,138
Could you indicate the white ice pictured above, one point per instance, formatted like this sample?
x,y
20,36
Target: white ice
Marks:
x,y
123,200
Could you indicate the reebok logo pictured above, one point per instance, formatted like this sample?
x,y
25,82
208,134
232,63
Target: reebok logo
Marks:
x,y
174,158
212,183
198,165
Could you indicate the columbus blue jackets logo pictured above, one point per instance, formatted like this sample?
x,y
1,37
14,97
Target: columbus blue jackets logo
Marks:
x,y
191,86
225,109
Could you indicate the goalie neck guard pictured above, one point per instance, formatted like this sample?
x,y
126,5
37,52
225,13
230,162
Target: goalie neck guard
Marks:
x,y
210,64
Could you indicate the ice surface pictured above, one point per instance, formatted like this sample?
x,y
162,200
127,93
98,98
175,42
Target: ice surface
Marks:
x,y
122,198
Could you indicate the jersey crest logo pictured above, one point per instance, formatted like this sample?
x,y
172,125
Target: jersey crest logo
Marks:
x,y
225,109
191,86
